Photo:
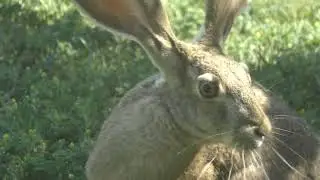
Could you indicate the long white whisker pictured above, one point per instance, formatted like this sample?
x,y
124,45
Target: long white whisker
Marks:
x,y
285,130
254,158
285,116
288,118
287,146
244,165
280,134
206,167
204,139
286,162
230,171
274,85
272,159
262,165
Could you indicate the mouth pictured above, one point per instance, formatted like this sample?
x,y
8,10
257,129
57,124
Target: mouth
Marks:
x,y
258,141
249,137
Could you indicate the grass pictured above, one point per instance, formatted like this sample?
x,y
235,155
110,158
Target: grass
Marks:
x,y
60,75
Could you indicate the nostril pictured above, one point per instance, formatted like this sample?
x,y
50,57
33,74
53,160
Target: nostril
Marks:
x,y
259,132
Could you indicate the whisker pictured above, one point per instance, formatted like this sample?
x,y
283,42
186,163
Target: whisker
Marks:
x,y
275,84
285,130
204,139
280,134
287,146
287,163
262,165
288,118
205,168
230,171
244,165
285,115
268,89
272,144
219,134
254,159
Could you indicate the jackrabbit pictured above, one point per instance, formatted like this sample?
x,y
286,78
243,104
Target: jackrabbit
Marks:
x,y
201,117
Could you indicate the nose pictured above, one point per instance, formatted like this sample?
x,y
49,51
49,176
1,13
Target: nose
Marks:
x,y
261,129
261,121
265,127
259,136
259,132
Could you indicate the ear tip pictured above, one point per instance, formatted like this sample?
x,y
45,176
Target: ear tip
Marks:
x,y
219,18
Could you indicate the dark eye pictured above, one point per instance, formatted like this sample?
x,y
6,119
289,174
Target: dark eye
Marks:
x,y
209,89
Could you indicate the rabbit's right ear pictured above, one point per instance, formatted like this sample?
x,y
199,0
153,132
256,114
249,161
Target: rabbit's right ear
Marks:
x,y
144,21
219,17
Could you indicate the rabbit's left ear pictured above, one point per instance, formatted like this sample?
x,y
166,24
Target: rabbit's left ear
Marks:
x,y
144,21
219,18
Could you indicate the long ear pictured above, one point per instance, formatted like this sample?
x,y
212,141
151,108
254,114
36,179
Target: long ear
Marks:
x,y
144,21
219,18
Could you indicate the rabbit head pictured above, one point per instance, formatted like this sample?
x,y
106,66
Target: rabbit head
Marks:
x,y
214,91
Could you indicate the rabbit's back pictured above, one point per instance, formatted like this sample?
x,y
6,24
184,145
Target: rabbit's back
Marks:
x,y
139,134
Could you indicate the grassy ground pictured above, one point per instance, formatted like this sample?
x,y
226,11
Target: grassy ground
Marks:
x,y
60,76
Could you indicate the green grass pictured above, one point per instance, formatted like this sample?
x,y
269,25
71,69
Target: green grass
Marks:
x,y
60,76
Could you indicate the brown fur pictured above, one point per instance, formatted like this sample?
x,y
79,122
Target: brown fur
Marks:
x,y
299,146
202,117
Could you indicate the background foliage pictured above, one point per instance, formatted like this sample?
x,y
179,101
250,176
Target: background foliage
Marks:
x,y
60,75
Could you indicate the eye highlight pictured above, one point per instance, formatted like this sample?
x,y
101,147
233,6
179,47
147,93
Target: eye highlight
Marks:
x,y
208,89
208,86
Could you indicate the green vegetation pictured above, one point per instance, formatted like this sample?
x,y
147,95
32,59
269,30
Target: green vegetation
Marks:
x,y
60,75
